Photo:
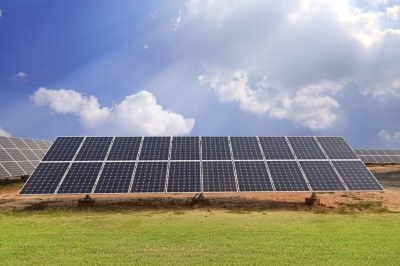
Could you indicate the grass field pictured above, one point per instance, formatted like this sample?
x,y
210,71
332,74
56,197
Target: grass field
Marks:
x,y
195,237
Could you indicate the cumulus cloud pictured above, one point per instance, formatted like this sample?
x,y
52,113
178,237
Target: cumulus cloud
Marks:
x,y
21,76
389,136
4,133
293,49
136,114
393,12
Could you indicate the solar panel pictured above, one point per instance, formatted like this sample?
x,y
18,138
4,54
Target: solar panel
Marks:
x,y
185,148
31,144
379,156
155,148
45,179
184,177
215,148
3,172
321,176
6,143
26,166
80,178
94,149
287,176
356,176
245,148
218,177
336,148
150,177
306,148
124,149
30,155
115,177
252,176
13,168
4,156
16,155
19,143
42,144
276,148
197,164
63,149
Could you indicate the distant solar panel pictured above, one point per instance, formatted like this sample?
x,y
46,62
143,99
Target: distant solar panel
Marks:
x,y
199,164
378,156
13,168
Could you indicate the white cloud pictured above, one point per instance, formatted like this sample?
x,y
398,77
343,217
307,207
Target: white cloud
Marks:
x,y
389,136
1,13
393,12
21,76
302,50
137,114
4,133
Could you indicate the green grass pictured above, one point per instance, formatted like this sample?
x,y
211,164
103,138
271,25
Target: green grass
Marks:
x,y
107,237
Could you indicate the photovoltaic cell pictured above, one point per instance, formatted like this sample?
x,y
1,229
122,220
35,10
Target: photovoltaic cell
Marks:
x,y
150,177
356,176
16,155
245,148
155,148
184,177
276,148
185,148
321,176
80,178
252,176
115,177
13,168
19,143
30,155
306,148
287,176
42,145
45,179
3,172
26,166
4,157
124,149
336,148
218,177
63,149
40,154
94,149
6,143
31,144
215,148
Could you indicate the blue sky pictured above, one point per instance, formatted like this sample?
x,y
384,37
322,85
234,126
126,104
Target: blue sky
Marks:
x,y
216,67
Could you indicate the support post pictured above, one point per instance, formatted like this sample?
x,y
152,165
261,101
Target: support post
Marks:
x,y
200,200
313,200
86,202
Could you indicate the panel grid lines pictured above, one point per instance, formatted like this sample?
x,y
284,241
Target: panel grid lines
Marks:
x,y
201,164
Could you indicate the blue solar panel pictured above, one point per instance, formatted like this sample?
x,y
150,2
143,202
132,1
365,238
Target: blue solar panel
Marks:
x,y
115,177
155,148
185,148
45,179
80,178
306,148
356,176
321,176
336,148
184,177
63,149
124,149
215,148
218,177
252,176
245,148
287,176
276,148
150,177
94,149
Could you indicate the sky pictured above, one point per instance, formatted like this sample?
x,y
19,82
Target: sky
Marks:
x,y
201,68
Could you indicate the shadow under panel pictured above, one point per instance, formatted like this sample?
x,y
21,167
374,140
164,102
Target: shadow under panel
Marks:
x,y
150,177
115,177
218,177
252,176
287,176
45,178
184,177
80,178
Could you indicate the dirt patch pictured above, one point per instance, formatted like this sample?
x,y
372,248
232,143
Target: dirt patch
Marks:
x,y
388,176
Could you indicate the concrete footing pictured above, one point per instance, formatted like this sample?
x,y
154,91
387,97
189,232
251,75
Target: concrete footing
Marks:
x,y
312,201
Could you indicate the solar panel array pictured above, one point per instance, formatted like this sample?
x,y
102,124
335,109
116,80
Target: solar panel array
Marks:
x,y
90,165
19,157
379,156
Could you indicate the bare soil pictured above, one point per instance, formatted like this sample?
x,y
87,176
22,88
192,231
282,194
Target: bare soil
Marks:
x,y
388,201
